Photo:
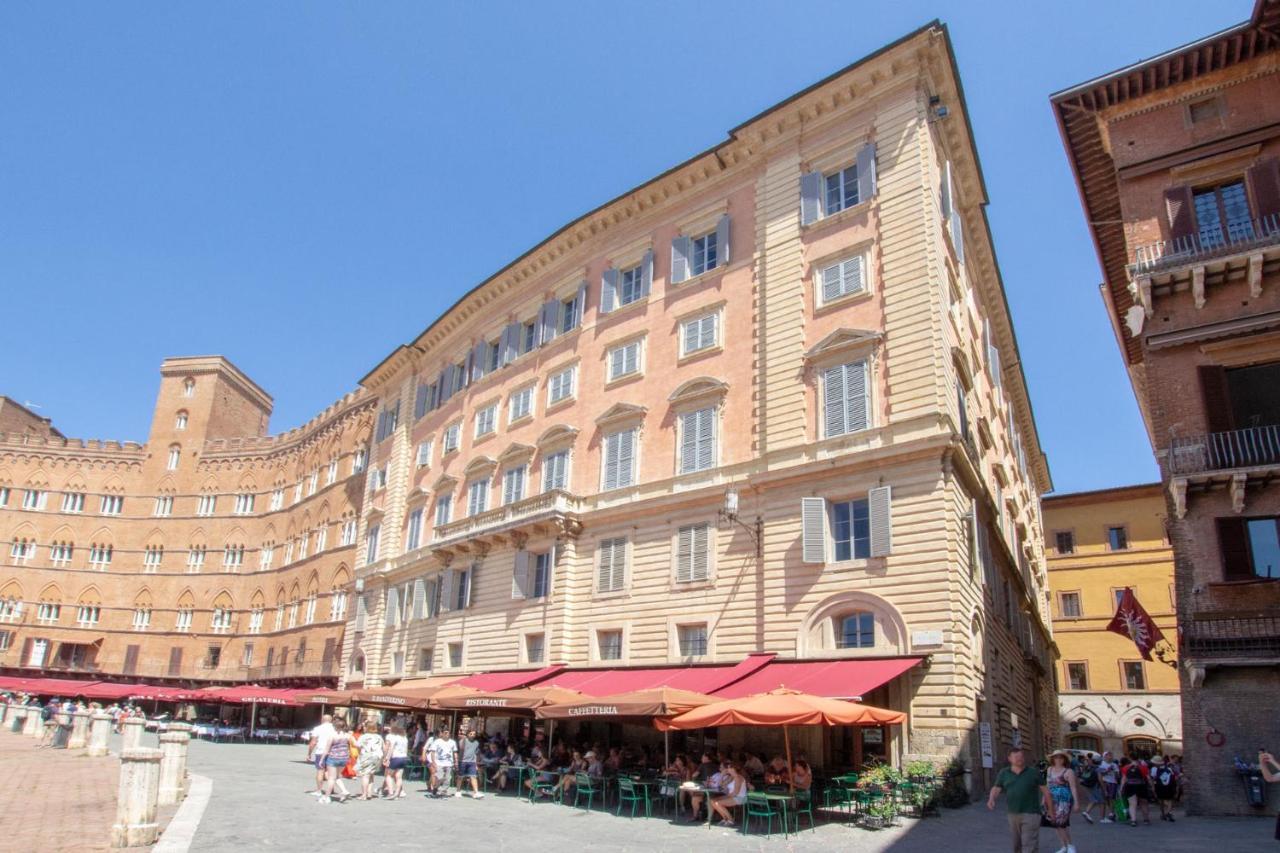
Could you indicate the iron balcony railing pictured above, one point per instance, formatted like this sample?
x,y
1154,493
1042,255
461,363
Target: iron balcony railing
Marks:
x,y
1206,244
1248,635
1217,451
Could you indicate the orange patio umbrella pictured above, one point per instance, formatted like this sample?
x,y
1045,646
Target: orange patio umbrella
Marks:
x,y
785,708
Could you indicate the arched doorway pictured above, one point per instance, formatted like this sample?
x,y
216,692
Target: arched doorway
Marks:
x,y
1093,743
1140,746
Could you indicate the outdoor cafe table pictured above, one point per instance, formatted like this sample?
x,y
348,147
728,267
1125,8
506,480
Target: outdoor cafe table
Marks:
x,y
785,799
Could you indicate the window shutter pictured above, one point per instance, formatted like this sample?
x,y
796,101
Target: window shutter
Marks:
x,y
810,197
580,304
25,657
833,402
813,529
550,320
604,571
626,457
851,274
1217,398
722,241
520,575
688,441
446,383
700,549
362,613
679,259
879,500
974,525
1263,179
1233,544
419,598
957,236
706,419
867,172
393,606
618,562
946,193
831,283
470,575
611,443
609,290
511,343
646,273
420,401
684,554
707,336
1180,207
478,360
857,410
446,589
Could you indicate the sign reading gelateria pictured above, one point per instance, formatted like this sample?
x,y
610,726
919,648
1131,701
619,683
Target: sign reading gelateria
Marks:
x,y
594,711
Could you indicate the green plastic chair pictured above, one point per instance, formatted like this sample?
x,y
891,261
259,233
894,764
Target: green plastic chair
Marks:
x,y
629,793
539,786
803,804
760,806
584,784
669,794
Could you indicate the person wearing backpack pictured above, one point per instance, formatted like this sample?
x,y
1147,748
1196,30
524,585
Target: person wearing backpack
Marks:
x,y
1087,776
1135,787
1164,780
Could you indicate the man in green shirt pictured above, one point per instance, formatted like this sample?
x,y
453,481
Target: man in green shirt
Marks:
x,y
1024,792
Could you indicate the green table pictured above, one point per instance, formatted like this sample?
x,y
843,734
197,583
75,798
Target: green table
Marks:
x,y
785,800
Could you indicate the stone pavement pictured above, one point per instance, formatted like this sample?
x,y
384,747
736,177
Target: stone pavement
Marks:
x,y
258,803
56,799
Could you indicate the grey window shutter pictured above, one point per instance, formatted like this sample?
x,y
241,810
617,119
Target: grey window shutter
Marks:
x,y
609,290
611,461
684,555
722,241
470,585
831,283
945,191
810,197
857,397
879,500
444,383
510,343
706,438
420,401
604,572
833,405
419,598
688,441
680,251
446,589
957,236
550,320
626,458
479,360
867,172
619,563
520,575
813,529
646,273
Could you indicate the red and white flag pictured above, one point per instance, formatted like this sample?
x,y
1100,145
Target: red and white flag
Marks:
x,y
1133,622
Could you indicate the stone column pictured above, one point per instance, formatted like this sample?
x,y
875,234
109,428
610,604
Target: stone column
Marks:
x,y
173,765
133,728
79,730
34,726
99,733
136,824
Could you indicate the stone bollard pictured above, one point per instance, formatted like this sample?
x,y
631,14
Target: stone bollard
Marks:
x,y
135,824
133,728
173,765
34,727
79,737
99,733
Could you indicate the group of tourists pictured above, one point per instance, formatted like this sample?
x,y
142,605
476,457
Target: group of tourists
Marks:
x,y
1121,791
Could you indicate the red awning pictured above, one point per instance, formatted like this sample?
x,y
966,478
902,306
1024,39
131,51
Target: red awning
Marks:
x,y
699,679
490,682
249,694
834,679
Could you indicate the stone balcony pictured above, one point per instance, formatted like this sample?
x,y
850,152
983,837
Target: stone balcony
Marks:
x,y
555,512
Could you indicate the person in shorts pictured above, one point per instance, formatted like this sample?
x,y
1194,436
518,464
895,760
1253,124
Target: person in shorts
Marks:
x,y
1164,782
467,766
1094,796
317,746
443,753
395,759
1135,786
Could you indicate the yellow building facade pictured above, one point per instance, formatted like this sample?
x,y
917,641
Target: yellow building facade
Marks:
x,y
1099,543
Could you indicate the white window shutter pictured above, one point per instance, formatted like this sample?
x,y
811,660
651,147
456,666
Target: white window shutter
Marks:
x,y
813,528
680,252
867,172
471,585
549,320
684,554
446,589
833,403
945,192
393,607
604,571
626,457
722,241
646,273
879,501
857,397
610,461
688,441
975,538
362,613
520,575
419,598
619,563
810,197
609,290
699,569
706,438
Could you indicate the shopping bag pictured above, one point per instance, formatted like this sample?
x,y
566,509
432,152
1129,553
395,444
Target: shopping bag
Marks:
x,y
1121,809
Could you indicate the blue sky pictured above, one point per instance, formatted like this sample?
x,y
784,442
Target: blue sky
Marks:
x,y
303,186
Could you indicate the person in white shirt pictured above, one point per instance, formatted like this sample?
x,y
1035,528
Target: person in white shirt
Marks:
x,y
443,752
318,743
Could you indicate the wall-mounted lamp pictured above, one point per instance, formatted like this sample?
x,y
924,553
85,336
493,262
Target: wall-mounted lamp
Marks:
x,y
729,513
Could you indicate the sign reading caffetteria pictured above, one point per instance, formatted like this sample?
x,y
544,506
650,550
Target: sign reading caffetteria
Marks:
x,y
594,711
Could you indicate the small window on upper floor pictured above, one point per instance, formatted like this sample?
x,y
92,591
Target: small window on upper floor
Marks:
x,y
1064,542
842,278
1204,110
1117,538
180,422
452,437
625,360
175,453
840,189
189,387
699,333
